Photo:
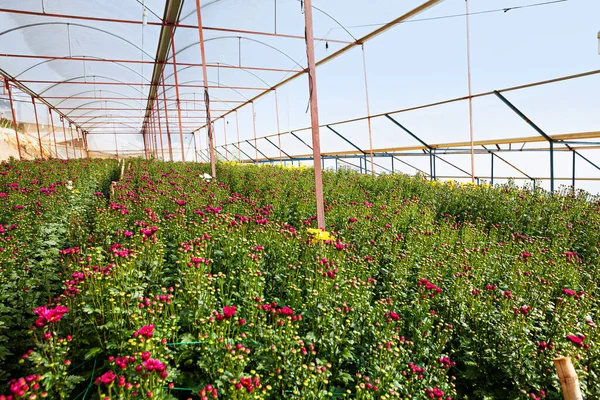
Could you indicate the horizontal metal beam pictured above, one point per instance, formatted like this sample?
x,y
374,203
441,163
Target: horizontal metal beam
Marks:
x,y
161,24
450,101
126,61
110,83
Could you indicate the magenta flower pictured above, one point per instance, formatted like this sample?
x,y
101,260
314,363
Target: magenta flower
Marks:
x,y
229,311
154,365
47,315
577,340
145,331
107,378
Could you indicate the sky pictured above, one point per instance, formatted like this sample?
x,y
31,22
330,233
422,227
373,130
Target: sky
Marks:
x,y
414,63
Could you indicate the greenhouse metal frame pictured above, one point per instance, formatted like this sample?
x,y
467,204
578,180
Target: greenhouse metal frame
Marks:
x,y
82,106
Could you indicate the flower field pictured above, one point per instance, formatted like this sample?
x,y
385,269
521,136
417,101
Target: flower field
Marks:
x,y
168,285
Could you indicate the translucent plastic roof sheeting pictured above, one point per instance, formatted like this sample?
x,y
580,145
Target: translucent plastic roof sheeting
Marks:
x,y
254,45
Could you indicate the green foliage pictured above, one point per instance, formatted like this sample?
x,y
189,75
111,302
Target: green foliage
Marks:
x,y
426,288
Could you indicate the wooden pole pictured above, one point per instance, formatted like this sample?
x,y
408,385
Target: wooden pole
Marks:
x,y
568,378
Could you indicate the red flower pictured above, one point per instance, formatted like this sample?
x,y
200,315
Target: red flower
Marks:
x,y
229,311
577,340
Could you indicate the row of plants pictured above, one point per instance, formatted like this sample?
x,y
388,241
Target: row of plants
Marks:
x,y
178,286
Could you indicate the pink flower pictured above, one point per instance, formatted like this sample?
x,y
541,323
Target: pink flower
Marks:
x,y
154,365
229,311
576,340
145,331
286,311
107,378
569,292
47,315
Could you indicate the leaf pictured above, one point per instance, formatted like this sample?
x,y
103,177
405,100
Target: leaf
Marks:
x,y
93,352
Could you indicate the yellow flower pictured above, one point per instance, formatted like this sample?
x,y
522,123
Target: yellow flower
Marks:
x,y
319,235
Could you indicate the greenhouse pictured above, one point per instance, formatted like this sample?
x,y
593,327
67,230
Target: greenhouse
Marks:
x,y
303,199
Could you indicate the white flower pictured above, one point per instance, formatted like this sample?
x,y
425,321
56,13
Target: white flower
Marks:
x,y
69,185
206,177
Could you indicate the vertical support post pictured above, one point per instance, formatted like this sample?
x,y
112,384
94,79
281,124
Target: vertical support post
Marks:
x,y
116,146
78,140
162,149
206,96
65,136
492,173
37,125
254,129
237,124
277,119
573,180
53,132
434,169
336,164
145,143
314,112
167,116
360,165
552,167
73,142
195,148
14,116
225,137
392,157
368,111
87,149
431,175
322,162
173,51
470,93
154,130
569,381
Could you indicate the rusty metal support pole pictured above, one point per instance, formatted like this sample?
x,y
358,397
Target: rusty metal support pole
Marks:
x,y
206,96
162,150
80,140
53,132
144,139
569,381
173,52
14,116
368,110
152,129
167,116
37,125
314,112
85,141
278,127
72,142
254,129
470,93
65,136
